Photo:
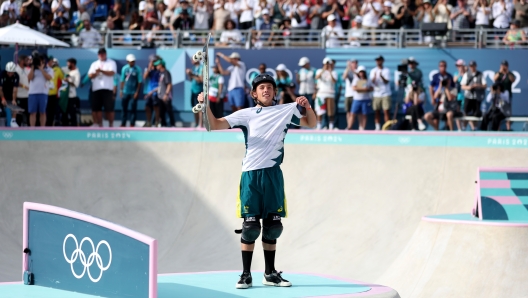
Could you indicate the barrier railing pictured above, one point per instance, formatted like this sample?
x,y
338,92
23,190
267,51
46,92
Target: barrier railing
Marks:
x,y
400,38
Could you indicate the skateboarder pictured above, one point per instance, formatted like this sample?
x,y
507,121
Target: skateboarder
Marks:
x,y
261,191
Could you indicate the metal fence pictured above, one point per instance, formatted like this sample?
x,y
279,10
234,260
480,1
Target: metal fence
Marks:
x,y
408,38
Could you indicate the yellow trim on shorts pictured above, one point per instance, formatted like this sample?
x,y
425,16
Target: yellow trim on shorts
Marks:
x,y
285,205
239,202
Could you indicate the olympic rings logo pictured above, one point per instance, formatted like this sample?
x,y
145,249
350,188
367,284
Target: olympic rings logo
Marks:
x,y
7,135
87,262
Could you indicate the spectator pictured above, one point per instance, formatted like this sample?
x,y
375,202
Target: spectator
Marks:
x,y
89,37
131,80
53,93
457,78
33,12
220,17
299,15
289,95
332,33
10,7
482,13
370,11
506,78
515,35
426,16
286,28
442,13
380,78
356,33
23,18
83,14
461,15
195,75
498,97
283,79
183,22
445,106
233,7
387,20
521,13
237,75
352,10
438,77
261,70
474,86
406,14
231,37
116,17
413,105
136,21
152,75
89,5
164,15
257,12
60,23
73,80
38,91
264,35
306,79
102,73
216,92
150,19
22,70
348,76
165,93
326,80
332,7
277,13
362,104
202,11
246,17
61,5
9,83
501,12
316,11
414,74
43,26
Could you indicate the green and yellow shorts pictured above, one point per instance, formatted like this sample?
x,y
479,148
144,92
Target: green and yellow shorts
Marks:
x,y
261,192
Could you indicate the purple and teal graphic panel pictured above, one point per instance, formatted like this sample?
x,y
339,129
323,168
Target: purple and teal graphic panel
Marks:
x,y
79,253
502,194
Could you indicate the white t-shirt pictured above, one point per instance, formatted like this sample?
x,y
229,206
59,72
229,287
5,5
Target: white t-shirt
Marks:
x,y
90,39
237,77
349,91
75,76
303,22
6,5
467,93
102,82
332,36
481,17
361,95
370,17
231,36
22,80
264,131
247,10
66,4
307,81
381,89
501,15
325,85
233,8
39,84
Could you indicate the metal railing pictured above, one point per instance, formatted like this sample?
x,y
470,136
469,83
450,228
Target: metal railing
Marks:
x,y
400,38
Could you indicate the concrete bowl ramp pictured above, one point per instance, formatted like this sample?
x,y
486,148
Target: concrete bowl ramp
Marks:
x,y
355,201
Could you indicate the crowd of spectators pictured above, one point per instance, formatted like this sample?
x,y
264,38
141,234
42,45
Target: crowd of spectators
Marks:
x,y
48,94
341,21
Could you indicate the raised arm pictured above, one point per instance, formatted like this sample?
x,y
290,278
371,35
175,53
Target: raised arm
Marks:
x,y
216,124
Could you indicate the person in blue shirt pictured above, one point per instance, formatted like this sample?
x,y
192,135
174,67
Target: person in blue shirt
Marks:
x,y
151,97
438,77
195,75
131,80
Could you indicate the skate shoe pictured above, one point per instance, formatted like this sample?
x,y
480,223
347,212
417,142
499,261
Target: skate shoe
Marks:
x,y
275,279
245,281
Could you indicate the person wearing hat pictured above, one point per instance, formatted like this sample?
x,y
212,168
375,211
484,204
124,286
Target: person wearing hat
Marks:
x,y
457,78
414,74
9,83
237,78
380,78
326,82
261,190
283,79
184,6
474,86
195,75
332,33
53,93
152,76
102,73
362,104
349,75
165,94
506,78
387,20
131,80
306,79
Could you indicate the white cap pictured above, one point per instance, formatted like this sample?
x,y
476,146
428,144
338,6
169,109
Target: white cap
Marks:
x,y
361,68
10,67
387,3
265,11
281,67
331,18
303,61
142,5
130,58
234,55
358,19
327,60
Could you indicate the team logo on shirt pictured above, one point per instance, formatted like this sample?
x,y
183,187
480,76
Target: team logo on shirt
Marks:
x,y
280,209
246,209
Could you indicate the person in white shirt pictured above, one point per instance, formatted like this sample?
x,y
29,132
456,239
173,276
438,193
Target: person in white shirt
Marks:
x,y
300,9
362,104
332,33
306,79
11,8
246,17
102,74
349,75
261,188
501,11
380,78
482,13
61,5
73,80
89,37
371,11
326,81
22,70
233,6
237,76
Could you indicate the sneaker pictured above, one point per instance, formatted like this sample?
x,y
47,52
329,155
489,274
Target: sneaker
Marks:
x,y
275,279
318,127
13,123
421,126
245,281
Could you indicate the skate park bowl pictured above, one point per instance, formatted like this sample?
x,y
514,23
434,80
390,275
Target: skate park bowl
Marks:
x,y
361,206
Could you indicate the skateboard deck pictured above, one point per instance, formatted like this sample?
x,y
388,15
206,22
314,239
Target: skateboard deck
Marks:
x,y
14,108
203,55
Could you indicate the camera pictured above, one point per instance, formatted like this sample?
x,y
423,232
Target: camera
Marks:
x,y
37,59
445,83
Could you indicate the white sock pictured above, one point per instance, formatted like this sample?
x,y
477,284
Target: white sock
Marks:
x,y
331,126
378,127
318,125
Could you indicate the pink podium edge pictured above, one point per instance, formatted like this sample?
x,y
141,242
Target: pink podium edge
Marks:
x,y
479,222
151,242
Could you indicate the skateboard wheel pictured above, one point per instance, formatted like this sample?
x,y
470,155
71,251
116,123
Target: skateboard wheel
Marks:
x,y
195,59
194,110
199,54
199,107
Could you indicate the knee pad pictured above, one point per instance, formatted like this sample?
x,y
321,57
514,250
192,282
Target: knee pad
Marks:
x,y
272,229
250,230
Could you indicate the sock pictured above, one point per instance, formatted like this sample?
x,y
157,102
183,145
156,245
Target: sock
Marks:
x,y
318,125
269,257
378,127
246,260
331,126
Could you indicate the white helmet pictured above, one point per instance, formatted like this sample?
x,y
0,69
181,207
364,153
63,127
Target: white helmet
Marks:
x,y
10,67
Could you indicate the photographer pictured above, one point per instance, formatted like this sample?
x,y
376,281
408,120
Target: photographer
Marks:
x,y
39,77
446,106
474,85
415,74
496,113
506,78
413,105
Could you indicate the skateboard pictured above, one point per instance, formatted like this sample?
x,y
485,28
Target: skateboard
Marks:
x,y
14,108
203,55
